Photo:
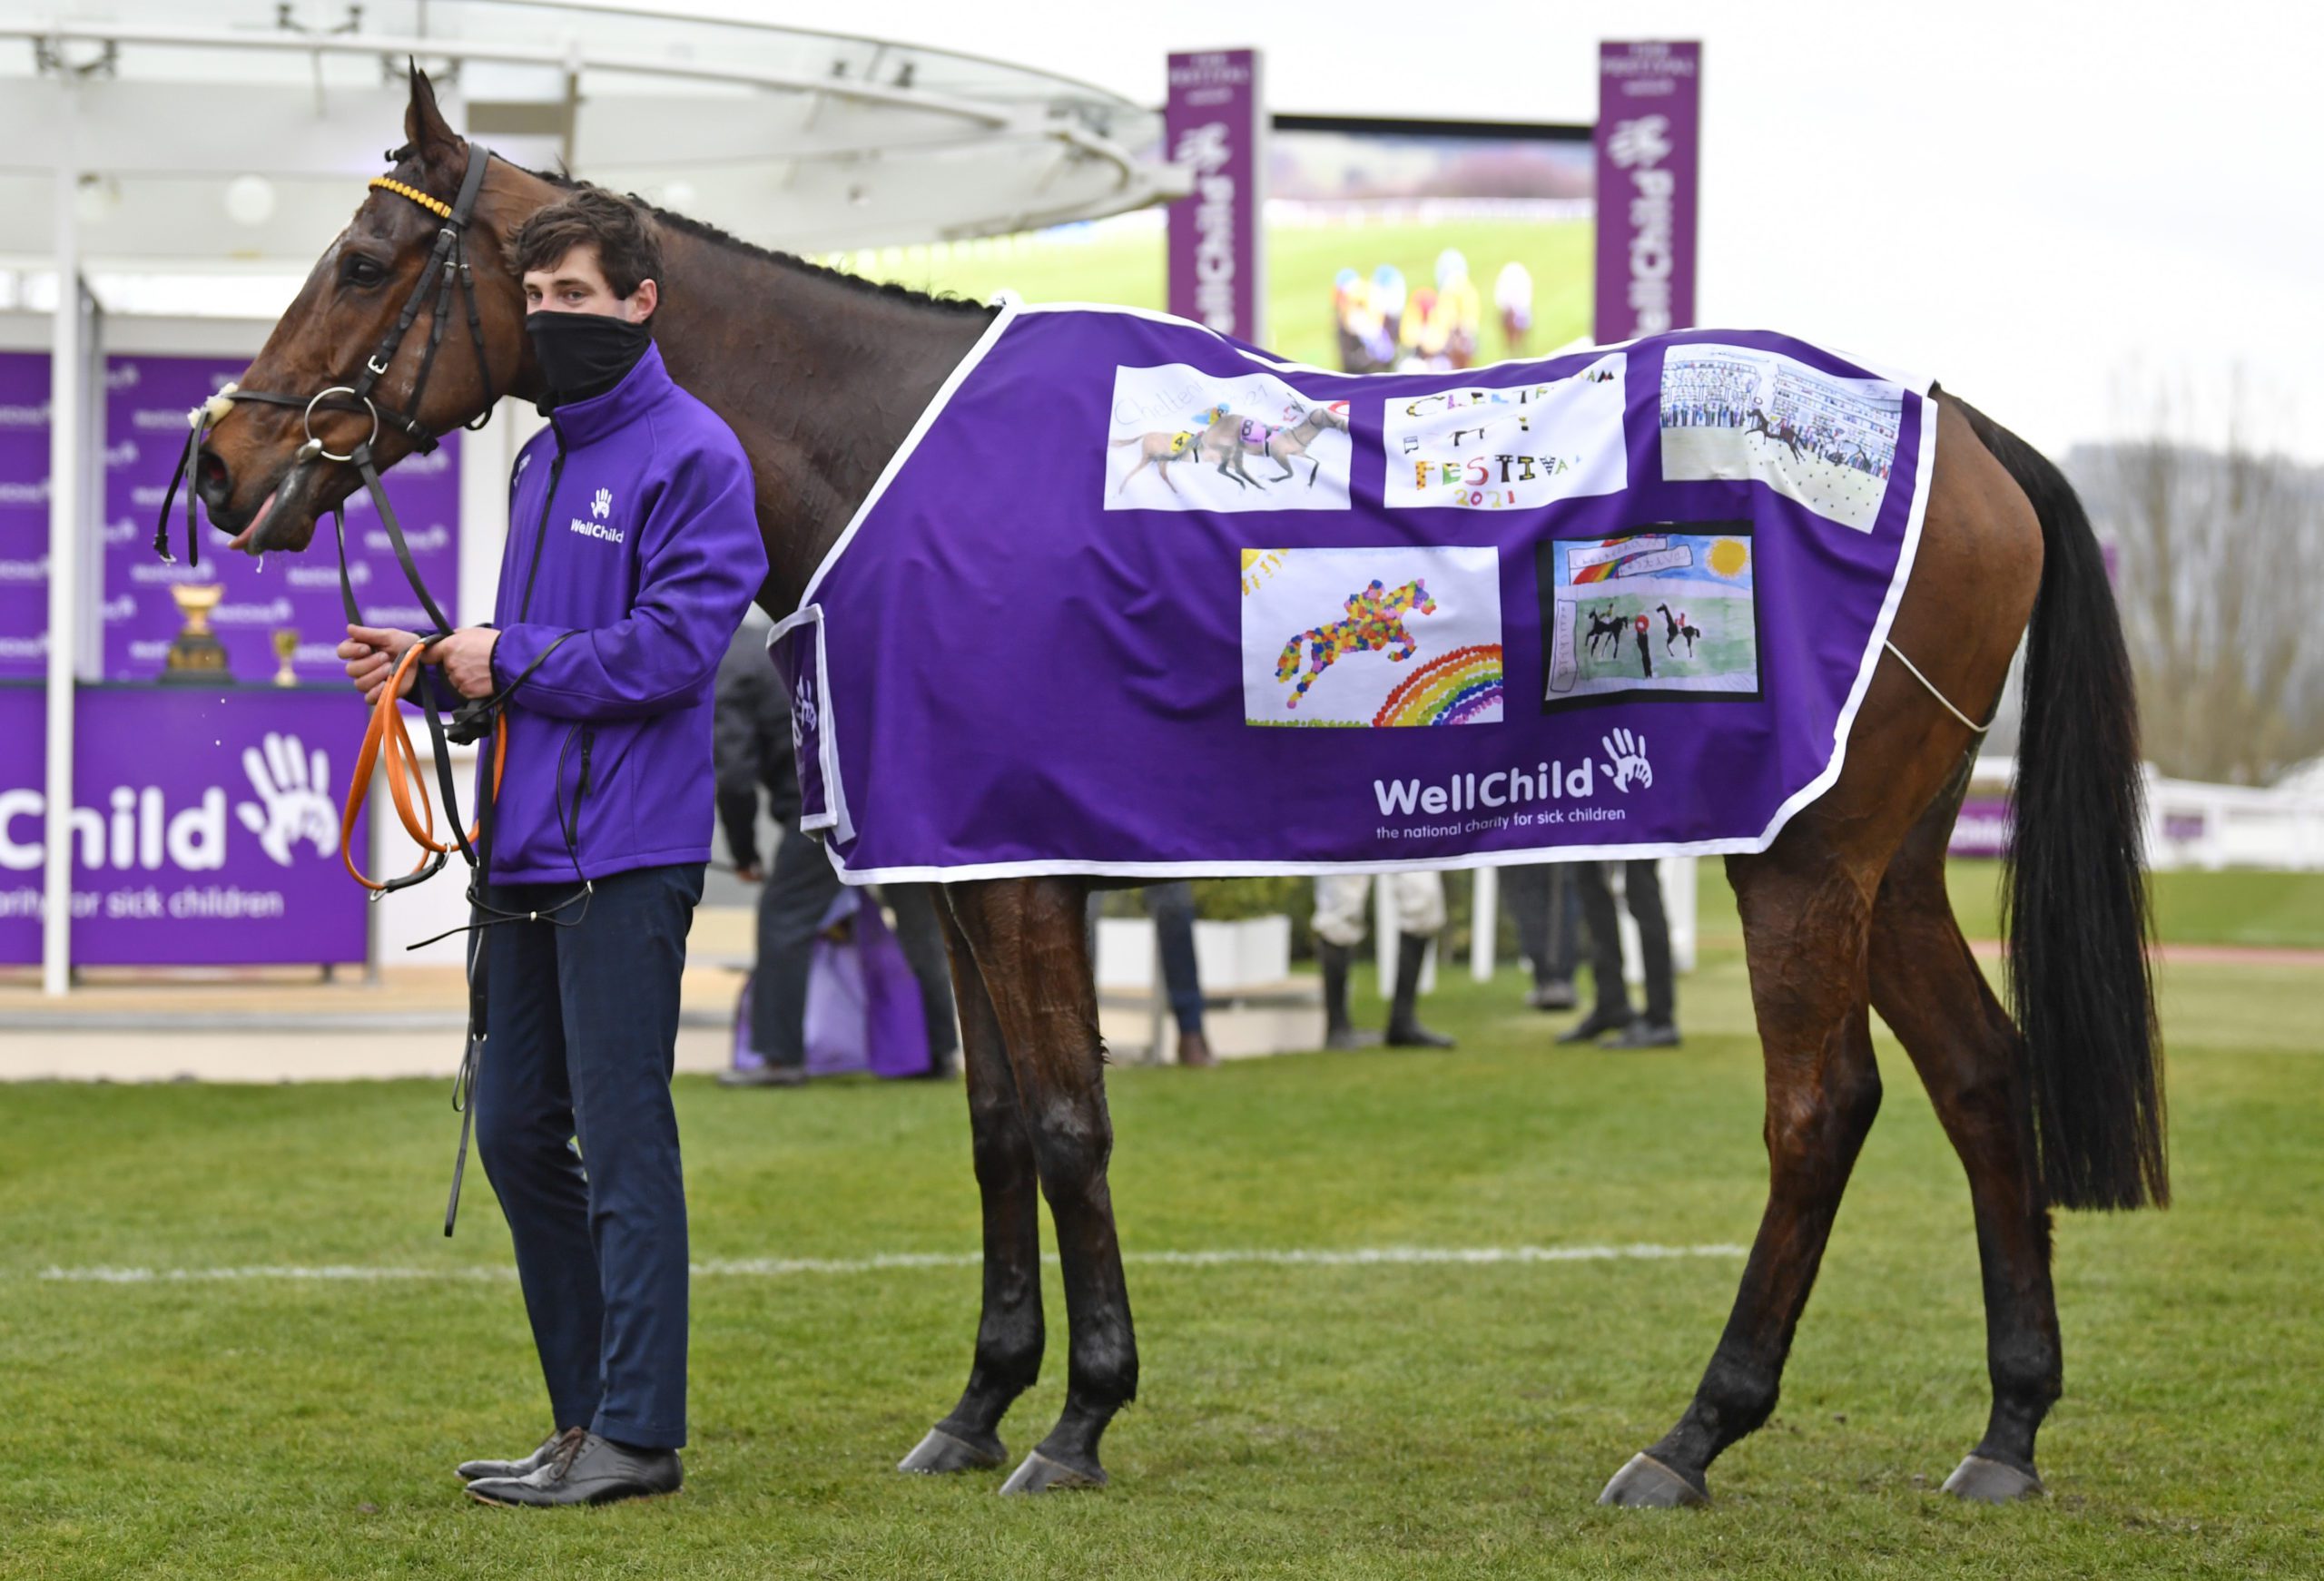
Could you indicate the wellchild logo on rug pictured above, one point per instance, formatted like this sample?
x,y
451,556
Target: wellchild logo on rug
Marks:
x,y
1511,797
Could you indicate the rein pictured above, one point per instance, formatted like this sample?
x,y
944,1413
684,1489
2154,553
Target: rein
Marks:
x,y
388,740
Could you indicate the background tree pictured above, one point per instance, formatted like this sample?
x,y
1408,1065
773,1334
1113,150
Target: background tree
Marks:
x,y
2219,572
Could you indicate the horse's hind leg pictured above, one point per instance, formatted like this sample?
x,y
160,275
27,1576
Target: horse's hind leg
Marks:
x,y
1806,916
1009,1334
1030,943
1927,987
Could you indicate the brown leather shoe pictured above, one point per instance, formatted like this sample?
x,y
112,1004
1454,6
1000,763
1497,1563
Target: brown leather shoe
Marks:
x,y
1194,1049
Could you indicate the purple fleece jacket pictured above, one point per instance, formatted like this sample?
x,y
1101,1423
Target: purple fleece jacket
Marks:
x,y
631,525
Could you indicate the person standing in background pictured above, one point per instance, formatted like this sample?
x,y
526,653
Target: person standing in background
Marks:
x,y
1541,898
1341,900
752,746
1613,1023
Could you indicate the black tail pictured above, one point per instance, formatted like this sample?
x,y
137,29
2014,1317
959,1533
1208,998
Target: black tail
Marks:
x,y
2074,906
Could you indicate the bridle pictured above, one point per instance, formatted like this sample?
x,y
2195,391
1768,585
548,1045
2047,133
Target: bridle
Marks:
x,y
387,740
447,269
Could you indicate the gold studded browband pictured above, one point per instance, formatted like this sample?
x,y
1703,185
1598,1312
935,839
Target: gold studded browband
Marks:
x,y
435,206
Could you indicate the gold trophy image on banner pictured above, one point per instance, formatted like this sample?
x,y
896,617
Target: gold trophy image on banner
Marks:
x,y
286,643
196,655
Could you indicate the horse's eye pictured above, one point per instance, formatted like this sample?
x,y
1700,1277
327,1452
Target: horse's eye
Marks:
x,y
362,271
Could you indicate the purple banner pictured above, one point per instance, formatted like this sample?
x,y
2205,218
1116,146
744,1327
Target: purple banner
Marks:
x,y
147,400
24,514
205,830
1648,156
1212,124
1982,828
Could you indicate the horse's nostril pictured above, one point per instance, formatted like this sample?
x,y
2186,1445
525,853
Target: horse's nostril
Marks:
x,y
211,479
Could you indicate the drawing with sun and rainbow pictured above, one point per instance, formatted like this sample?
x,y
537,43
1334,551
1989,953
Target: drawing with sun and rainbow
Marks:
x,y
1666,611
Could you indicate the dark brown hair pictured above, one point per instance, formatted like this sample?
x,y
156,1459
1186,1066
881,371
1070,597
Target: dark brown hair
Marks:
x,y
628,250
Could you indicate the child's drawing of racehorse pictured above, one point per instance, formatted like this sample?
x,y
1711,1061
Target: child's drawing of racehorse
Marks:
x,y
1375,620
1226,440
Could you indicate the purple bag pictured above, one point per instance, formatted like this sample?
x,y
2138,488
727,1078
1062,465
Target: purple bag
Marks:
x,y
863,1008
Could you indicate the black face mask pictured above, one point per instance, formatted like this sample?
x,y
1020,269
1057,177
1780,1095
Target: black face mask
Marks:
x,y
584,354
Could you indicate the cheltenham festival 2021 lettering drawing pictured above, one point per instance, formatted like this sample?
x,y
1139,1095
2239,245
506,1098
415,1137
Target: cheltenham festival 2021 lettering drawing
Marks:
x,y
1372,637
1509,448
1663,612
1733,412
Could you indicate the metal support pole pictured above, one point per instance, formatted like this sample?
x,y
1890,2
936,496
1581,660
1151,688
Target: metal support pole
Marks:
x,y
64,458
1484,923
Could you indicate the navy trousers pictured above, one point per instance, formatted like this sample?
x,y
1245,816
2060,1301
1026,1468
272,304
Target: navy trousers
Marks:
x,y
582,1026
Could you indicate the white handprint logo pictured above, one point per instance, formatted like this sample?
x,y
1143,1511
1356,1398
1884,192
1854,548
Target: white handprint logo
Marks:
x,y
1626,760
293,797
1645,141
803,714
603,506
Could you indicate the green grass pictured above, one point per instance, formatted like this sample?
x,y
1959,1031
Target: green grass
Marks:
x,y
1118,265
1294,1422
2237,907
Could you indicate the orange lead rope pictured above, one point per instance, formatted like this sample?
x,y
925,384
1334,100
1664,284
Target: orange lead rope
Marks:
x,y
388,737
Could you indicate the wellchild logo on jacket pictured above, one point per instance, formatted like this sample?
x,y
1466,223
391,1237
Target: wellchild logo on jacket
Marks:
x,y
600,508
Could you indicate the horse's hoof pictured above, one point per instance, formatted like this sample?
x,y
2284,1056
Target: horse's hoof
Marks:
x,y
1977,1480
941,1452
1646,1483
1039,1474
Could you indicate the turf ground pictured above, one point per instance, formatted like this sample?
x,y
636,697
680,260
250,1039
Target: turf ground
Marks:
x,y
1295,1421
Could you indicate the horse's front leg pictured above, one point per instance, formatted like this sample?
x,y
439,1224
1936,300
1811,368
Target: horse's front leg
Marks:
x,y
1283,461
1009,1334
1032,944
1806,921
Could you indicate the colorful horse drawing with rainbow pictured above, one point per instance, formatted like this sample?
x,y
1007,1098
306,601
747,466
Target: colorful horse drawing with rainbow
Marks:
x,y
1375,620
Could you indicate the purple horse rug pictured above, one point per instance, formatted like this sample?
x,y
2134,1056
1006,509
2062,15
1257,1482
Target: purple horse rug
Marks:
x,y
1622,602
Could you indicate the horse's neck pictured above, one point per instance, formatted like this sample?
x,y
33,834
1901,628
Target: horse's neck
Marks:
x,y
819,379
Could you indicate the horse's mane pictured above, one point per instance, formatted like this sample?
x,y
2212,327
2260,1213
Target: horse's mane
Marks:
x,y
703,231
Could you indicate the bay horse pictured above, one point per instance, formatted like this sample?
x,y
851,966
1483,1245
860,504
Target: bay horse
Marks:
x,y
821,374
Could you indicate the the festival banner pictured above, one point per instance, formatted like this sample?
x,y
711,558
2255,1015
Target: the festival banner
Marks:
x,y
1213,124
147,400
1982,828
1649,157
205,829
24,516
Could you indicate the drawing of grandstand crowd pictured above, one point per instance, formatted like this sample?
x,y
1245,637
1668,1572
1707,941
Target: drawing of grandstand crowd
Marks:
x,y
1829,443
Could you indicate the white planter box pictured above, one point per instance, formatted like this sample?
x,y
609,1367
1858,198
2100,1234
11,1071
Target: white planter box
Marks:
x,y
1255,952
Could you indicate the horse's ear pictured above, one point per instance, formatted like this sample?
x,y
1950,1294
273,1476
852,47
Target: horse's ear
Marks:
x,y
424,124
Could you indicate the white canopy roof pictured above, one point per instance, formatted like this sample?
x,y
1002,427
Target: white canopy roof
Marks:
x,y
234,139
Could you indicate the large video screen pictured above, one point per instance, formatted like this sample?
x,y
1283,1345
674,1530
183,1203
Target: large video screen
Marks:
x,y
1390,244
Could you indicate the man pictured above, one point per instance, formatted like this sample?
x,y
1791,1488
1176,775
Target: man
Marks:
x,y
754,752
633,550
1657,1026
1339,924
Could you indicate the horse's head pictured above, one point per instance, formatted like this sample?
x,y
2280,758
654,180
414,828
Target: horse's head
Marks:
x,y
257,473
1334,416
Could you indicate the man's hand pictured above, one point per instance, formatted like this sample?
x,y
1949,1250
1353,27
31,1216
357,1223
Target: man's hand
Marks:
x,y
372,653
751,873
466,658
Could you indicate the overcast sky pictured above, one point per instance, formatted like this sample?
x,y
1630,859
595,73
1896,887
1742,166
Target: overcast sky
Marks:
x,y
2049,207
